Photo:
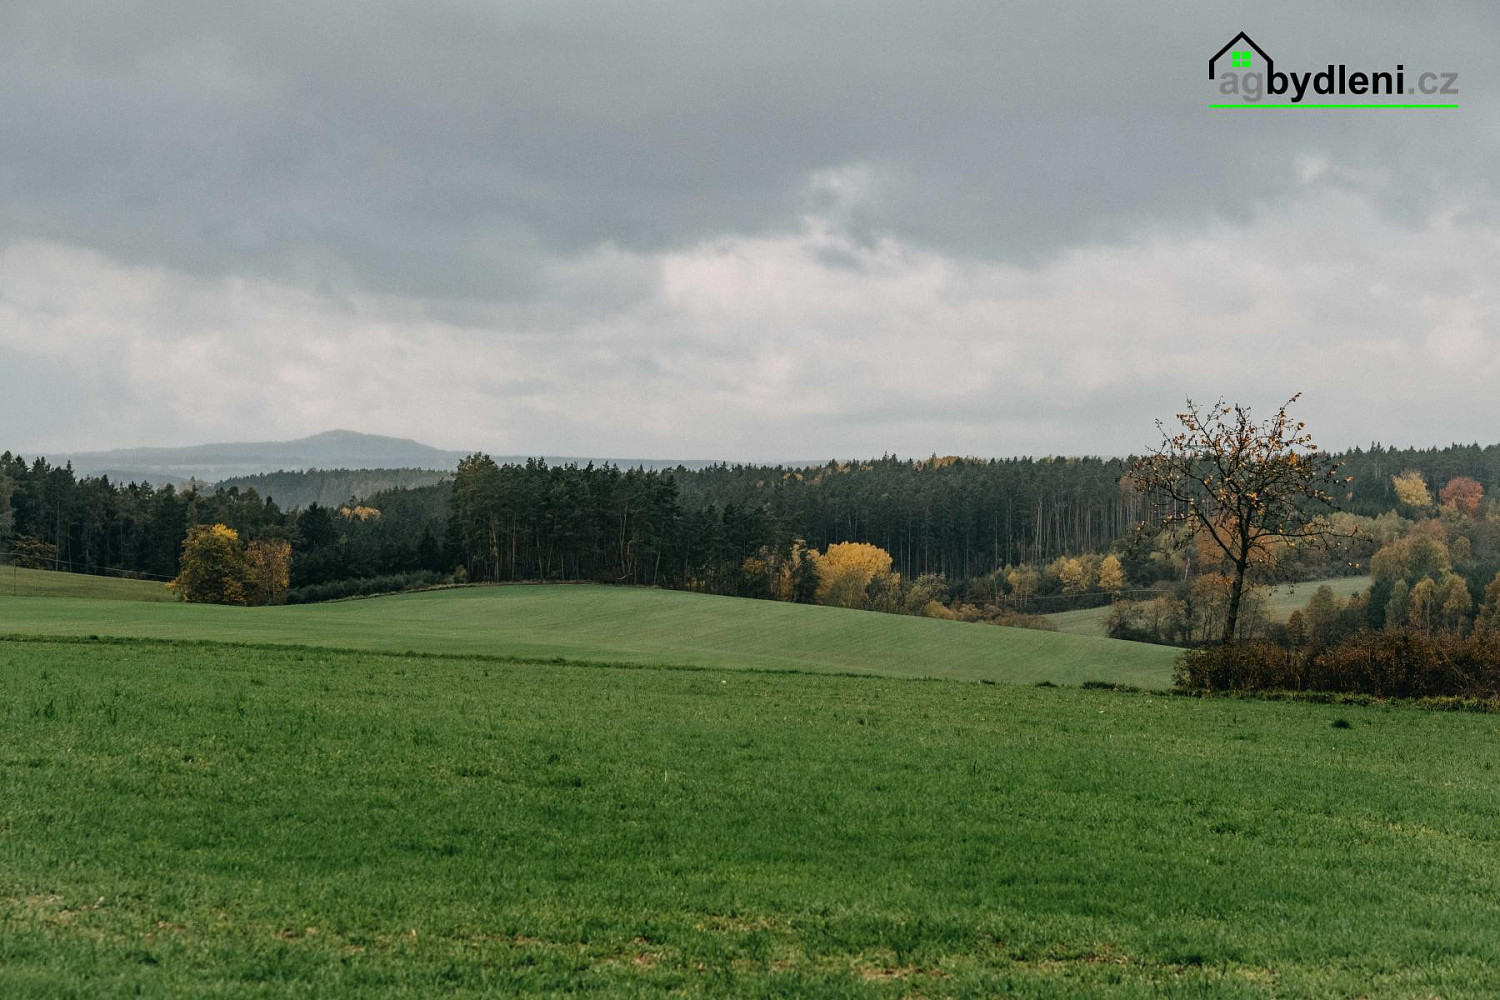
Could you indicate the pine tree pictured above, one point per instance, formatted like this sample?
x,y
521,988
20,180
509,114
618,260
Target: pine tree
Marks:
x,y
7,516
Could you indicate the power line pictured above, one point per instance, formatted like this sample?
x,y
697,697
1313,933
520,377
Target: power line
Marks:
x,y
74,567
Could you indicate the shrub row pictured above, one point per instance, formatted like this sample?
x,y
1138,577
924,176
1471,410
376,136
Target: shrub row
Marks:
x,y
365,586
1402,663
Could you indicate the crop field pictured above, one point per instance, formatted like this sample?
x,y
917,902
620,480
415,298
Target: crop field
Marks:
x,y
1281,601
189,820
624,625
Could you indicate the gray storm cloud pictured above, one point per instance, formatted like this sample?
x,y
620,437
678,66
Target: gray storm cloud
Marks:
x,y
738,230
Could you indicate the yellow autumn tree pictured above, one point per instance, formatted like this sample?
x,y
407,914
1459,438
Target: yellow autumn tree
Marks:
x,y
1023,582
268,571
1074,574
1417,555
847,570
359,512
1112,574
213,568
1424,607
1455,603
1411,490
925,597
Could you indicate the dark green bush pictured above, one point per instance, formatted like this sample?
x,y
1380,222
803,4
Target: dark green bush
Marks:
x,y
365,586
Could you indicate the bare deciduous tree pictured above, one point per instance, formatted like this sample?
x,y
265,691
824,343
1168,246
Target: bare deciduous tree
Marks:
x,y
1248,486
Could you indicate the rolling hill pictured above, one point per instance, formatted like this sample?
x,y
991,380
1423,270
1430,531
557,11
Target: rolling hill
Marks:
x,y
346,451
214,462
623,625
16,582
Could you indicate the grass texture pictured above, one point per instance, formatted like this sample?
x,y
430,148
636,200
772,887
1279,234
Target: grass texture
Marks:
x,y
212,821
624,625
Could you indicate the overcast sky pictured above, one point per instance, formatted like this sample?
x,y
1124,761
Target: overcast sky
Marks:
x,y
716,229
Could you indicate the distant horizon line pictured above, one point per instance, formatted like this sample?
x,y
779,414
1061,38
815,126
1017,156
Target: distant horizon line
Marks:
x,y
99,456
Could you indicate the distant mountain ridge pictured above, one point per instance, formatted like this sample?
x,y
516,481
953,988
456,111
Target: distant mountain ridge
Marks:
x,y
330,450
215,462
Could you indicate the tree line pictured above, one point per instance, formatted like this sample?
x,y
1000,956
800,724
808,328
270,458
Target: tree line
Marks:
x,y
735,529
51,518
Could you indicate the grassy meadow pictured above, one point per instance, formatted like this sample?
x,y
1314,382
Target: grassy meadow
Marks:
x,y
194,820
17,582
1281,601
623,625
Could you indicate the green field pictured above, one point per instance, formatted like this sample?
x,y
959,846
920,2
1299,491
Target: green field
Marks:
x,y
1084,621
1281,601
16,582
624,625
190,821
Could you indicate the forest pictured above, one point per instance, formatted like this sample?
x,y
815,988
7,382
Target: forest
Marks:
x,y
734,529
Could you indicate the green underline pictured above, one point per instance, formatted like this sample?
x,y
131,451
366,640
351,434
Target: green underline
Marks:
x,y
1360,106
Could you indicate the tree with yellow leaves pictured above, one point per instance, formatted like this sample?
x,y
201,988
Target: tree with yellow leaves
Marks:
x,y
1112,574
1424,607
1074,575
268,571
213,569
926,596
847,571
1421,553
358,512
1411,490
1455,602
1023,582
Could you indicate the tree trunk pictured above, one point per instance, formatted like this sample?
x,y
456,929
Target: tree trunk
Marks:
x,y
1235,593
